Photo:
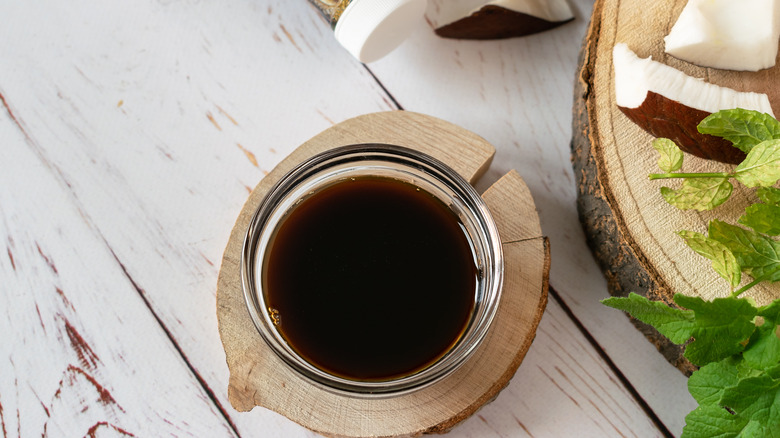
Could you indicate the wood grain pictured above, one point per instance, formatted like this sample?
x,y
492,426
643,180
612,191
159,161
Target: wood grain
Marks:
x,y
258,377
155,120
82,355
631,228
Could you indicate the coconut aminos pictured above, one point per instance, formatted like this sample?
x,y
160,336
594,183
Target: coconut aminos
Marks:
x,y
370,279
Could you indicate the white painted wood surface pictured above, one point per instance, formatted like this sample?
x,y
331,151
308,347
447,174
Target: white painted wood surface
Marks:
x,y
130,136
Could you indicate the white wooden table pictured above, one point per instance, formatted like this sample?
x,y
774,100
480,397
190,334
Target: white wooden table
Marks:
x,y
131,133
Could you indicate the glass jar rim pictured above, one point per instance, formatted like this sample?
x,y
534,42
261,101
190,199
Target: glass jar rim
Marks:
x,y
396,162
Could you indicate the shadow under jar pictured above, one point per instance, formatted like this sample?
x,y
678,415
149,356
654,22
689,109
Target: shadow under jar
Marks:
x,y
372,270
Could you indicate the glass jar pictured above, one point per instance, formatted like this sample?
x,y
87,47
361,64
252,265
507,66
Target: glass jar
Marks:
x,y
349,163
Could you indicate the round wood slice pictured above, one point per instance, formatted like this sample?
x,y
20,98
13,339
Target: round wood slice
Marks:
x,y
259,378
630,228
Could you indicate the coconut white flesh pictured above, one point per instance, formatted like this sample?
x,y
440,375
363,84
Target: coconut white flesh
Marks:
x,y
727,34
444,12
635,77
550,10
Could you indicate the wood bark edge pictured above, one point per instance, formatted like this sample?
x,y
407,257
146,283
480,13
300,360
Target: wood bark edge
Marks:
x,y
606,234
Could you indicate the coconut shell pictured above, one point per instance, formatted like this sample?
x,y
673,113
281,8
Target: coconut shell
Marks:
x,y
667,118
495,22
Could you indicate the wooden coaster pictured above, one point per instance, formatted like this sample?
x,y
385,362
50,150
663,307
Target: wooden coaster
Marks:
x,y
259,378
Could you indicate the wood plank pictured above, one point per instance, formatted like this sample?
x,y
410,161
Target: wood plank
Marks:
x,y
159,117
81,352
517,94
563,388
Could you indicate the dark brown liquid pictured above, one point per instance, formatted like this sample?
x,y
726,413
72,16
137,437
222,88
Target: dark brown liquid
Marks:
x,y
372,279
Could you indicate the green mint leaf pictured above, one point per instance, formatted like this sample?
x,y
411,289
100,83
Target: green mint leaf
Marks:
x,y
755,429
769,195
675,324
774,372
671,158
712,421
763,350
757,254
744,370
771,312
761,167
699,193
744,128
755,398
721,326
708,383
762,218
723,261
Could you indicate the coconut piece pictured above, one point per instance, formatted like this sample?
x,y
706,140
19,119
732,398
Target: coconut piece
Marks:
x,y
734,35
666,102
480,19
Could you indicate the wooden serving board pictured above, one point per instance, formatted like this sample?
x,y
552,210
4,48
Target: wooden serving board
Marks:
x,y
259,378
630,228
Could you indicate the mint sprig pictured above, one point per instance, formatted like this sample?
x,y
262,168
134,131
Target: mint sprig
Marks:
x,y
716,329
735,343
756,134
738,384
